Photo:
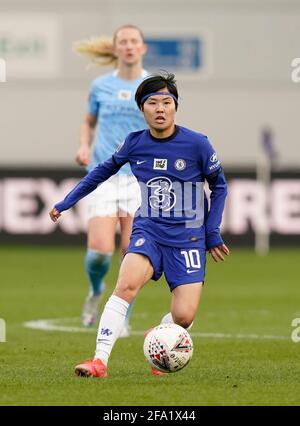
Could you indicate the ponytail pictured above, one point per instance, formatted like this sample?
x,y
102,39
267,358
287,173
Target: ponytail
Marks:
x,y
99,50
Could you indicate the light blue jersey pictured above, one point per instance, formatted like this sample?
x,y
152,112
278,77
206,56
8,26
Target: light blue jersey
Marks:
x,y
111,100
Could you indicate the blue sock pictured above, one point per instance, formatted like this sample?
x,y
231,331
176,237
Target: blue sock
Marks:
x,y
97,265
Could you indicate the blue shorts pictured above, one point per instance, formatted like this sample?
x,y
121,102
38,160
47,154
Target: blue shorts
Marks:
x,y
180,266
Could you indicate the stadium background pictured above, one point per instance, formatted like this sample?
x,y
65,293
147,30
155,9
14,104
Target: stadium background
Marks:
x,y
233,62
234,77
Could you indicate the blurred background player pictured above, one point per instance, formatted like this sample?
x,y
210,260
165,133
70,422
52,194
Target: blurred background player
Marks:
x,y
112,114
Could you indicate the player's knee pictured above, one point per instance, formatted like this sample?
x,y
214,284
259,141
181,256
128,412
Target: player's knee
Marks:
x,y
95,259
101,246
126,290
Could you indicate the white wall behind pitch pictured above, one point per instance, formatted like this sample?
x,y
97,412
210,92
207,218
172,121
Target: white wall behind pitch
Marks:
x,y
249,86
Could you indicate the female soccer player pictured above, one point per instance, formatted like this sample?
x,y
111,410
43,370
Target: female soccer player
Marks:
x,y
112,114
173,228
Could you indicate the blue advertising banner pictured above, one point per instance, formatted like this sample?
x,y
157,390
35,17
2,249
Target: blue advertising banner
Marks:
x,y
177,54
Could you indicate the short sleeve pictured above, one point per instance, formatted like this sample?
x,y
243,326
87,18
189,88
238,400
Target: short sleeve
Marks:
x,y
93,101
209,159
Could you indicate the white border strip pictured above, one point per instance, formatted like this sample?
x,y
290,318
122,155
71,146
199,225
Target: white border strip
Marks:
x,y
55,325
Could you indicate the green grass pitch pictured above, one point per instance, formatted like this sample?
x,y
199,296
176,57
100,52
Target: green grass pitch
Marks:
x,y
243,352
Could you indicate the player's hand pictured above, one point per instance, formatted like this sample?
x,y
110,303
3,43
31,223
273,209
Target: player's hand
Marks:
x,y
83,156
54,214
218,252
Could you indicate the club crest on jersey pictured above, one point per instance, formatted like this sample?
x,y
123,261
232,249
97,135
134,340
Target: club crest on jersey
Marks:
x,y
160,164
180,164
139,242
124,95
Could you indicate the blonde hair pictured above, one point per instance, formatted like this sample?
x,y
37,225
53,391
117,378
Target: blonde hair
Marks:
x,y
101,49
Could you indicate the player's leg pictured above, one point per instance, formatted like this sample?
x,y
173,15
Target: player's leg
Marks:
x,y
129,201
142,262
126,221
101,245
135,271
185,302
185,272
102,215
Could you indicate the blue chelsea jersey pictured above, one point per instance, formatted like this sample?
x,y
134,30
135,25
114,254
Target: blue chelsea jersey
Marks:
x,y
111,100
171,174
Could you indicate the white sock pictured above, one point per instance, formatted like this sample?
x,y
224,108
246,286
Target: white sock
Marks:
x,y
110,325
168,319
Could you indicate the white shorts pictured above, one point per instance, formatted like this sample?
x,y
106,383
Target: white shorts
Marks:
x,y
118,193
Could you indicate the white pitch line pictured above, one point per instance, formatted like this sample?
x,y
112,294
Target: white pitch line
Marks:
x,y
53,325
49,325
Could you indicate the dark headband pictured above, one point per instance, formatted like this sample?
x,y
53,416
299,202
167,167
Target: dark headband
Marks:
x,y
144,98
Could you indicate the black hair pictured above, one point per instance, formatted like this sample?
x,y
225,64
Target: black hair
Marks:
x,y
154,83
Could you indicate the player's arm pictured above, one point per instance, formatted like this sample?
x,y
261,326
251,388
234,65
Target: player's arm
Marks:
x,y
87,131
214,242
90,182
214,175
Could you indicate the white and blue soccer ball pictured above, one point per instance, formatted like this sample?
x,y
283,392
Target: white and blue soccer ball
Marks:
x,y
168,348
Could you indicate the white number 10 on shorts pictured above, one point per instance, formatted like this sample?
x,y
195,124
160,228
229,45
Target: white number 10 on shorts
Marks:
x,y
192,259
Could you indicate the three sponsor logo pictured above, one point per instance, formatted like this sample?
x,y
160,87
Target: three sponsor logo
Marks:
x,y
163,196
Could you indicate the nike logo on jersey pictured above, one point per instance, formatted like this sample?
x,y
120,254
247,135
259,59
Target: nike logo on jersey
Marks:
x,y
190,272
140,162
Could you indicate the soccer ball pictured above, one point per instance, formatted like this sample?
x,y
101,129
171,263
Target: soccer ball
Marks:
x,y
168,348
